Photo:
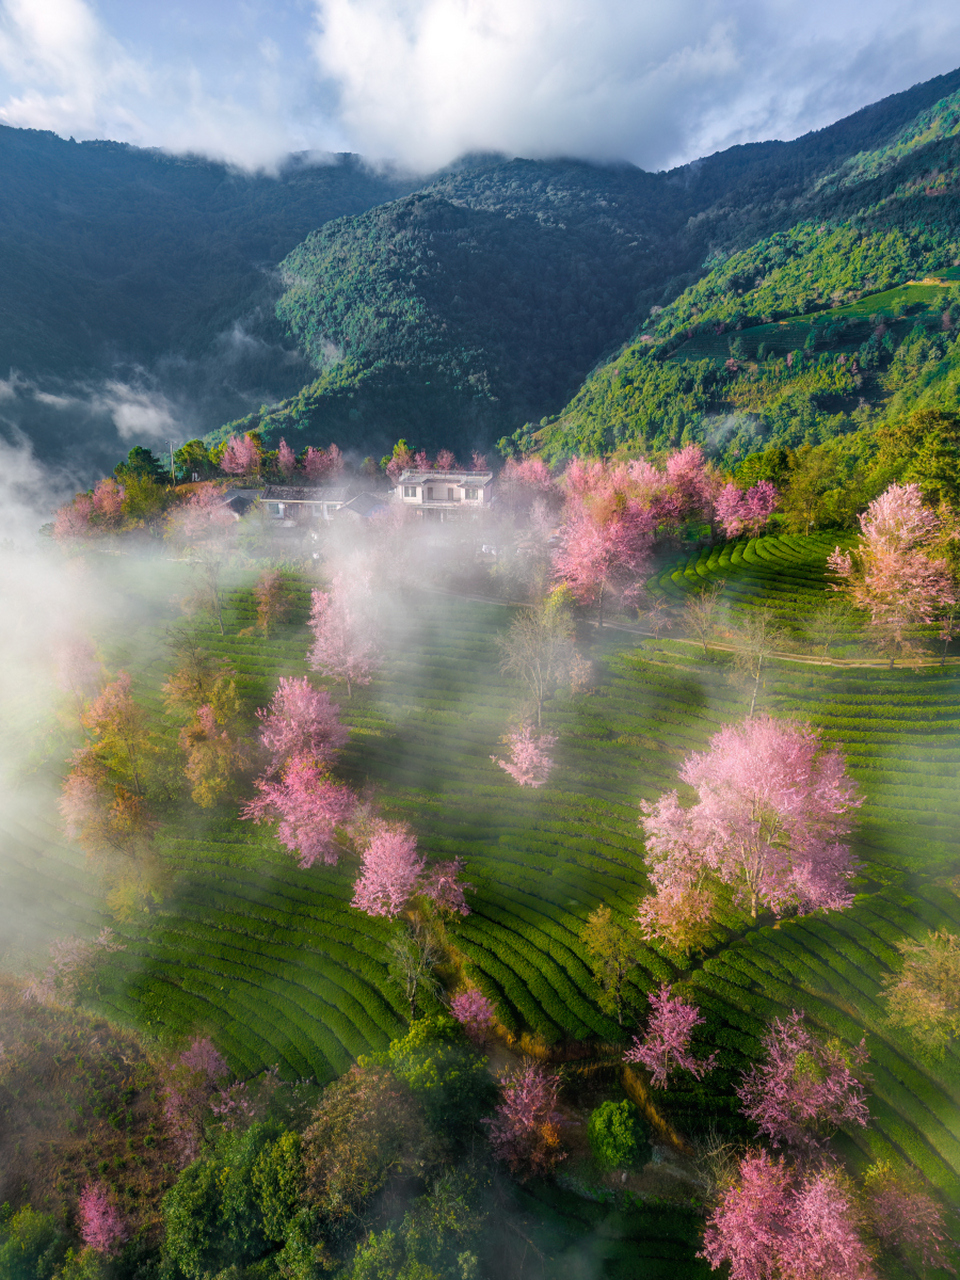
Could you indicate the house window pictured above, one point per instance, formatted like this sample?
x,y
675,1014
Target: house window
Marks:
x,y
471,495
409,490
450,497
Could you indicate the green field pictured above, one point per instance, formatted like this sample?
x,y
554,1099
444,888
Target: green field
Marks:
x,y
848,326
277,966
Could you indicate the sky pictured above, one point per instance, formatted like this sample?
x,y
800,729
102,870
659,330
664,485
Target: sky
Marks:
x,y
419,82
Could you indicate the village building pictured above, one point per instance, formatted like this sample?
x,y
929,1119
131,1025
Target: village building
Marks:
x,y
445,495
308,505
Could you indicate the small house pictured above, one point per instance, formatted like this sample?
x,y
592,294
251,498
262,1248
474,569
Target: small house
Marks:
x,y
445,495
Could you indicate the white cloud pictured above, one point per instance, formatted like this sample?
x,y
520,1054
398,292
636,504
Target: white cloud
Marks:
x,y
138,415
655,82
422,81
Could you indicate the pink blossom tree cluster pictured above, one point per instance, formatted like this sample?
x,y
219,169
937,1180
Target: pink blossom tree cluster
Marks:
x,y
665,1046
88,514
475,1012
746,511
344,645
196,1080
241,457
301,735
613,513
895,574
801,1217
804,1088
529,762
393,871
101,1224
525,1128
781,1222
771,810
71,961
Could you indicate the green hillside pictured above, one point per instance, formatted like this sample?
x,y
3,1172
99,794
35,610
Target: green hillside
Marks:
x,y
487,297
814,333
279,969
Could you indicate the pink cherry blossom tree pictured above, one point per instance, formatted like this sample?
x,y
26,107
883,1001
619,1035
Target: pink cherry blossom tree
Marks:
x,y
443,884
241,456
194,1080
301,721
344,645
390,871
747,511
772,805
777,1223
525,1129
689,487
665,1047
309,807
607,533
100,1222
286,459
475,1013
322,464
446,461
895,574
904,1220
72,521
530,761
71,961
804,1088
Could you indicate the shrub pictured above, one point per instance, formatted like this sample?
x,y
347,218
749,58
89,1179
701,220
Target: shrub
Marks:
x,y
618,1138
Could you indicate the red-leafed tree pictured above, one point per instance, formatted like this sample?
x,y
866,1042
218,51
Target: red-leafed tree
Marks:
x,y
804,1088
301,721
525,1129
100,1222
895,574
390,872
309,807
665,1047
446,461
530,762
777,1223
772,805
344,646
273,598
475,1013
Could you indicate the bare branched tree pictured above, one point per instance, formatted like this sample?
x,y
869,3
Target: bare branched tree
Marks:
x,y
701,613
755,636
538,649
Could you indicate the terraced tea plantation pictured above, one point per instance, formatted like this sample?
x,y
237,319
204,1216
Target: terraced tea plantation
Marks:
x,y
278,968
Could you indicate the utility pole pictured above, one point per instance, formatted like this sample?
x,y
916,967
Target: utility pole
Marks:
x,y
173,474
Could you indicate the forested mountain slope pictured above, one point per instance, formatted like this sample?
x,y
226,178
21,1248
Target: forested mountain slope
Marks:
x,y
488,296
452,307
842,323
